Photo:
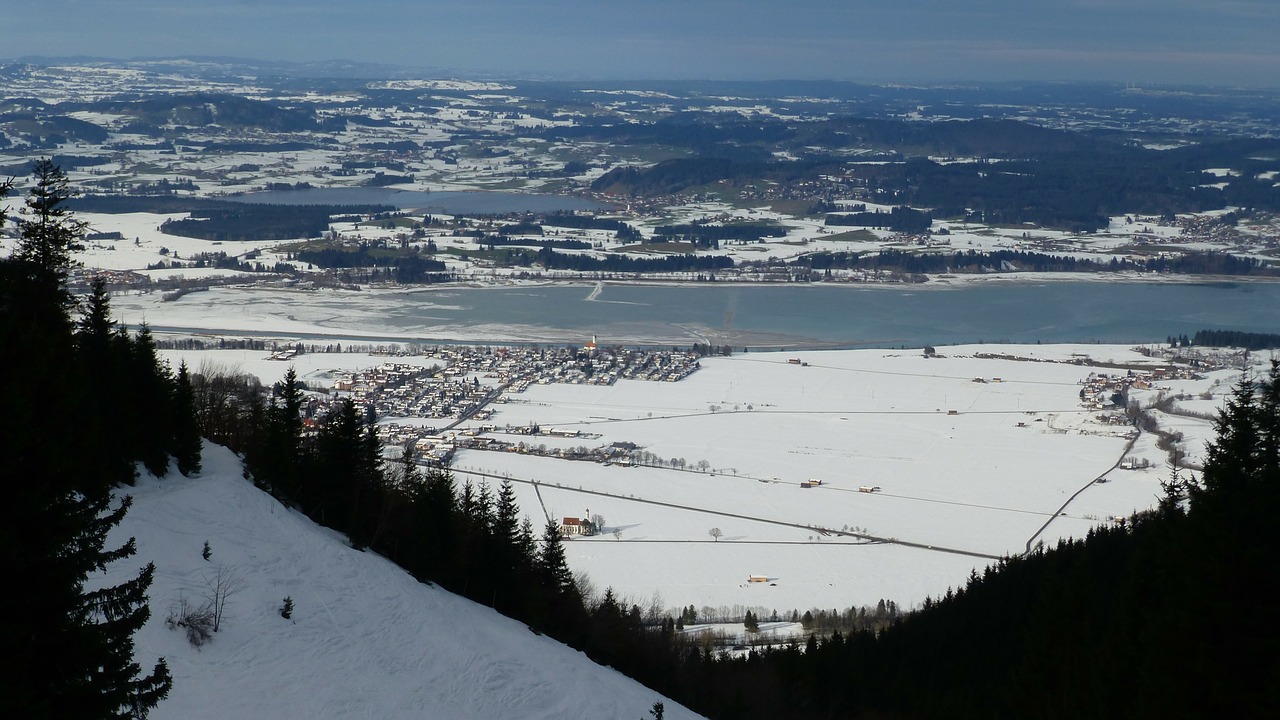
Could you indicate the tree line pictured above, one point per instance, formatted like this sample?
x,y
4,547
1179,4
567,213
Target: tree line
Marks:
x,y
1234,339
898,219
248,222
549,259
1192,263
704,235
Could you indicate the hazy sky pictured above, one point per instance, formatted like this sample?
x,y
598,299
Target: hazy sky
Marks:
x,y
1218,42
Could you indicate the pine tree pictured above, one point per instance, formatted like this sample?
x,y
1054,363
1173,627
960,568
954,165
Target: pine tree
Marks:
x,y
276,457
152,393
187,444
50,235
553,567
70,648
102,352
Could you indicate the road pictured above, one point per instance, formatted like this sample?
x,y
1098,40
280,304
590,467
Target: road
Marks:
x,y
868,539
1062,510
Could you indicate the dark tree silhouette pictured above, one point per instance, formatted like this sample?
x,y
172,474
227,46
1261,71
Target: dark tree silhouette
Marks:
x,y
68,636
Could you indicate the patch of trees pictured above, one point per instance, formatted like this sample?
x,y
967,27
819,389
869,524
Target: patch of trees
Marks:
x,y
1075,192
381,179
245,221
822,207
1025,261
524,227
704,235
287,187
586,222
61,161
161,204
493,241
1235,339
164,186
400,266
1208,263
726,139
716,137
366,121
129,145
552,260
898,219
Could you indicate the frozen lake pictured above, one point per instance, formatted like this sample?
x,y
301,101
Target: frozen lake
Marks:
x,y
786,316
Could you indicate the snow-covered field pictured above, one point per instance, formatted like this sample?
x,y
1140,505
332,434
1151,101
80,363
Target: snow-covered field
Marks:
x,y
956,490
365,640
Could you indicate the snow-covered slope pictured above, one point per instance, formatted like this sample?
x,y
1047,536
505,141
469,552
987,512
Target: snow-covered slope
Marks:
x,y
366,640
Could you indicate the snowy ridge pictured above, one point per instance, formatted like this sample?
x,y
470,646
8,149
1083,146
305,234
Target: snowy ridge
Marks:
x,y
366,640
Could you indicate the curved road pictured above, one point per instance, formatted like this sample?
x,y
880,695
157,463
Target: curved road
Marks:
x,y
1061,510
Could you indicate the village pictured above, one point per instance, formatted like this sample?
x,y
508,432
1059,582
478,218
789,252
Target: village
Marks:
x,y
441,409
472,378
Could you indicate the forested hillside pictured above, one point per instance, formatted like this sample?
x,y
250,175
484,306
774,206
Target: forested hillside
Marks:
x,y
1012,172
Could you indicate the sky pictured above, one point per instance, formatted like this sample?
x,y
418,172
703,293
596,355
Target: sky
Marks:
x,y
1178,42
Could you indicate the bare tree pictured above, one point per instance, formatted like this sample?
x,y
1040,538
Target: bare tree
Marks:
x,y
597,522
715,532
219,588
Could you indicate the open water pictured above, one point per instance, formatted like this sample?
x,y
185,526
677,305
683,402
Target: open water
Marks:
x,y
844,316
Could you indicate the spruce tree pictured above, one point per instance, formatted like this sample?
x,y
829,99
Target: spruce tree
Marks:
x,y
49,234
69,647
186,440
102,352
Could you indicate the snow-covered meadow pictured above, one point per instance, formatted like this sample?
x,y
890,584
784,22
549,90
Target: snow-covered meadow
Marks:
x,y
967,471
364,640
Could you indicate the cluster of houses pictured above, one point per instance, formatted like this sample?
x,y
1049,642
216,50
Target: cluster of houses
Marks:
x,y
1102,389
397,390
1209,228
474,377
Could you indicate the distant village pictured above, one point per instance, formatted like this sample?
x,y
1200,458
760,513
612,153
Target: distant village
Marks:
x,y
475,378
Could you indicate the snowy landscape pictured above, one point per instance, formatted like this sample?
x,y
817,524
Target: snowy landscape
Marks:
x,y
365,639
690,458
976,452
